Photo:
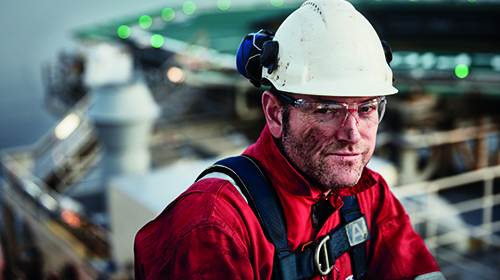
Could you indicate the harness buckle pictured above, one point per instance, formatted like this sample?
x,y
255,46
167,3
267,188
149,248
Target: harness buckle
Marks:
x,y
321,260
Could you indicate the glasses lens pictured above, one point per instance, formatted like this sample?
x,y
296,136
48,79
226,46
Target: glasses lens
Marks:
x,y
369,111
381,108
366,113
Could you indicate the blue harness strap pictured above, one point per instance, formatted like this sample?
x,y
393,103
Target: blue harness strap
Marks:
x,y
350,212
264,201
350,236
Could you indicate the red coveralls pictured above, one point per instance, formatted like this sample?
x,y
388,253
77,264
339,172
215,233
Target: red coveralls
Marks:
x,y
210,232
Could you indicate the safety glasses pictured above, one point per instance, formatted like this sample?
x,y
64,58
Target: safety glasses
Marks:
x,y
366,113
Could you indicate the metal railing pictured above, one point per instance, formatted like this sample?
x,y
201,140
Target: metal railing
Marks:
x,y
441,222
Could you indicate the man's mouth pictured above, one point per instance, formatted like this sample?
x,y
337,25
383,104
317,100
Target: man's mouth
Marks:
x,y
345,153
348,155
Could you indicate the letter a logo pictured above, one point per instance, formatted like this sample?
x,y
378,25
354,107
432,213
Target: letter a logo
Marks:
x,y
357,231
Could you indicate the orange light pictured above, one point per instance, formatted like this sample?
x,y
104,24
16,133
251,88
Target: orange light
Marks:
x,y
175,75
70,218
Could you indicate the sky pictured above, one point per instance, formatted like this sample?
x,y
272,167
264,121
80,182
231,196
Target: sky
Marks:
x,y
33,33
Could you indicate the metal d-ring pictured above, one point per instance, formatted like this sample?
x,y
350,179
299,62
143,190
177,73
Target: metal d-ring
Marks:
x,y
338,274
321,248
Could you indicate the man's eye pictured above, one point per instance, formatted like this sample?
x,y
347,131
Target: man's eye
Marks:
x,y
326,110
322,111
366,109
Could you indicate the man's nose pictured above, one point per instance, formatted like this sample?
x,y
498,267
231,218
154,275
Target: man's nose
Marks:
x,y
349,129
351,112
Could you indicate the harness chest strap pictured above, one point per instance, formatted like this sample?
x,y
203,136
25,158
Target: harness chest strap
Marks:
x,y
351,235
320,258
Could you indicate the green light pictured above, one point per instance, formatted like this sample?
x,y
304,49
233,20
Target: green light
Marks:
x,y
145,21
462,71
157,40
471,1
123,32
168,14
276,3
189,7
223,4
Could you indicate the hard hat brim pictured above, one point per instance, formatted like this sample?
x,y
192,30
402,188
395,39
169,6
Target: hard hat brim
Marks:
x,y
339,88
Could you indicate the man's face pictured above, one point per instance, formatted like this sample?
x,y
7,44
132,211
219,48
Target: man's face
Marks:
x,y
328,154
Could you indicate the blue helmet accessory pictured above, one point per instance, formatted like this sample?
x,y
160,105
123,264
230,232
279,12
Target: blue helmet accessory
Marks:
x,y
387,51
388,56
255,51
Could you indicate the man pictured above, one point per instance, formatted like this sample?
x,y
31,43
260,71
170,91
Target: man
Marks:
x,y
328,77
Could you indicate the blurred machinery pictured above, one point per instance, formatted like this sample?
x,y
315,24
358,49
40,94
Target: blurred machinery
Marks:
x,y
75,199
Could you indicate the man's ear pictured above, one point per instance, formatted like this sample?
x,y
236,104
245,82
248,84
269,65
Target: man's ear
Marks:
x,y
272,111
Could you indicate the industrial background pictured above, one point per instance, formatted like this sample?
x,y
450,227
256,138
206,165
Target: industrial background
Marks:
x,y
110,109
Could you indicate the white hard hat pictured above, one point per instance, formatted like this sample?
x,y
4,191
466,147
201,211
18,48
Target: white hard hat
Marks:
x,y
328,48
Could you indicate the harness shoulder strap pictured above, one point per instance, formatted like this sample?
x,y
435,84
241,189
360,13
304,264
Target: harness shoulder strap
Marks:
x,y
263,200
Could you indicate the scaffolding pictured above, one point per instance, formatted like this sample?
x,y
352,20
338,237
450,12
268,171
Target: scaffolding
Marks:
x,y
43,229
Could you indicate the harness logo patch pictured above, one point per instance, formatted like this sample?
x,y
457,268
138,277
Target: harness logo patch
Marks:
x,y
357,231
350,277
